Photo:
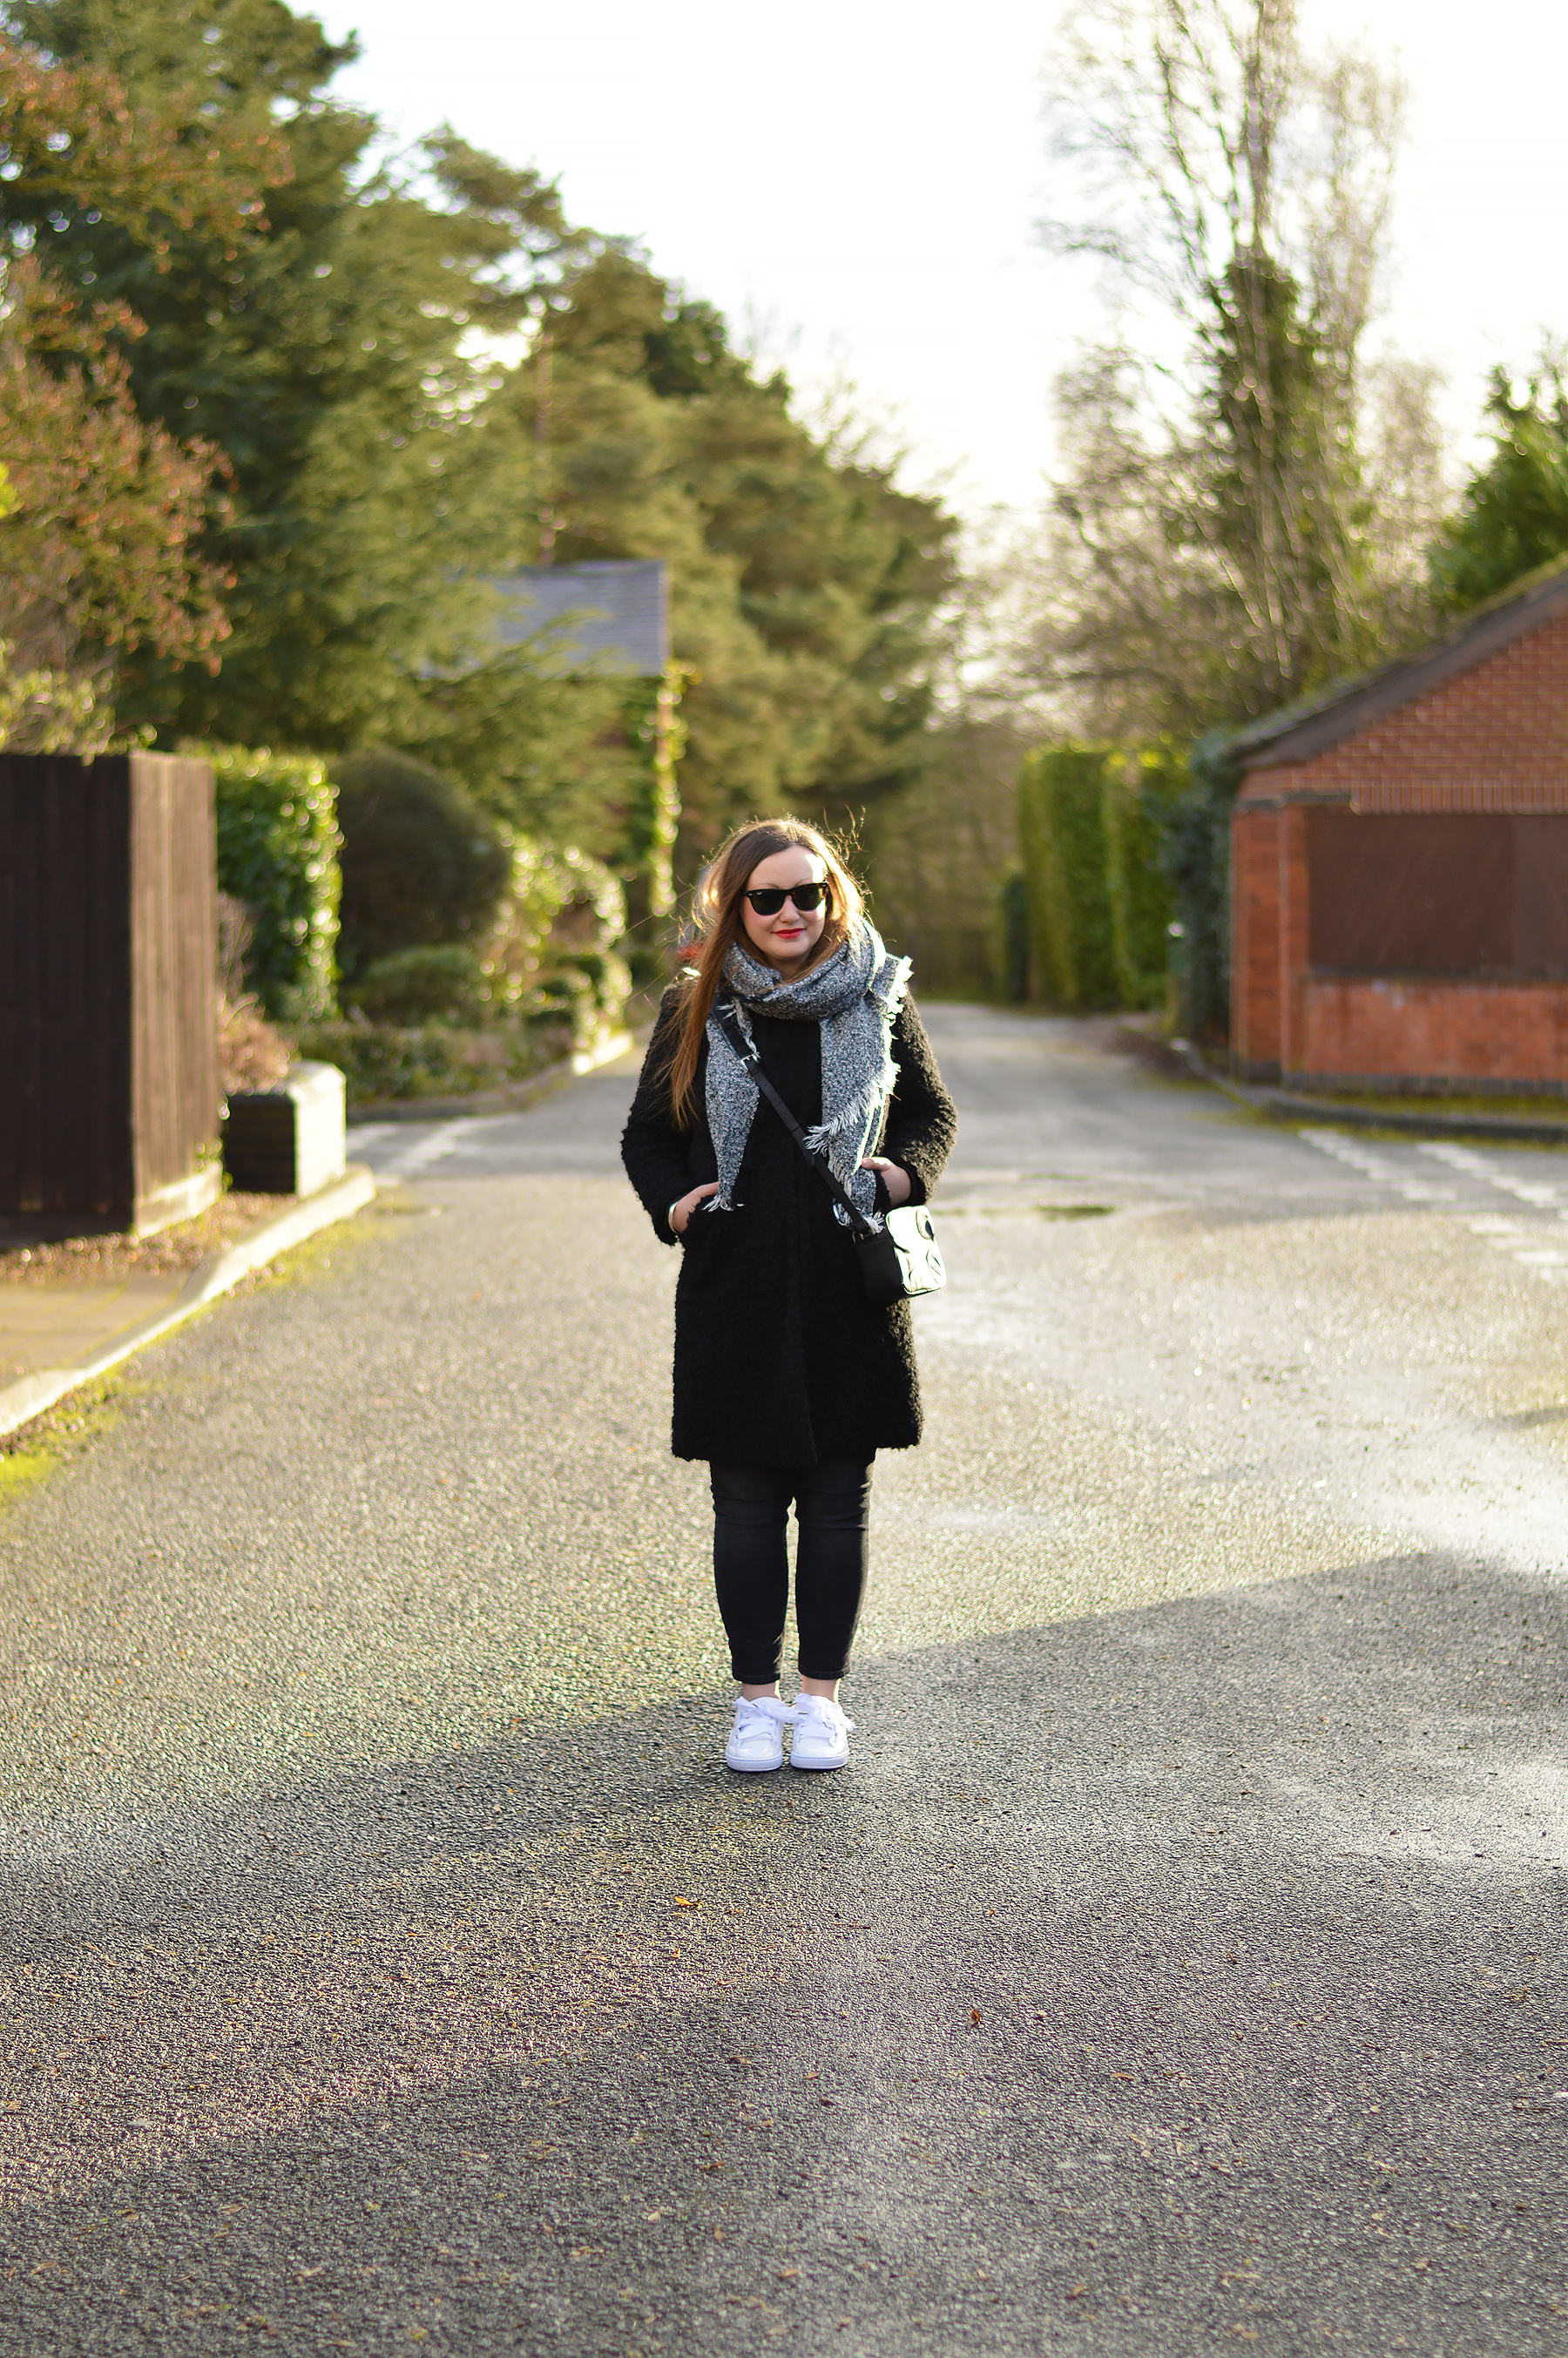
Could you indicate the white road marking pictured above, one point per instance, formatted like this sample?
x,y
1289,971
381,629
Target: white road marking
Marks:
x,y
1524,1241
431,1148
1376,1166
1528,1191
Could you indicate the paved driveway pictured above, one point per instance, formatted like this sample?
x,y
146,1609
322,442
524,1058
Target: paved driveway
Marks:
x,y
1179,1966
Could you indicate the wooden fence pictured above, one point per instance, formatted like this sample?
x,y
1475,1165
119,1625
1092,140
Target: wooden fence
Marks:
x,y
110,1100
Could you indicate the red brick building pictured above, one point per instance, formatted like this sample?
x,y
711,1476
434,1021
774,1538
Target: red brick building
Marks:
x,y
1400,869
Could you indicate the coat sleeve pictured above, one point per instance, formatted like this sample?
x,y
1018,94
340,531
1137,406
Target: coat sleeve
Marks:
x,y
654,1150
923,1120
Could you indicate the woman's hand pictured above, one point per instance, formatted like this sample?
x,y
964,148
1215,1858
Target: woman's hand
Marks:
x,y
896,1181
681,1213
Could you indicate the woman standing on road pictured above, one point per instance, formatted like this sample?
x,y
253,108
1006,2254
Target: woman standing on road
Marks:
x,y
788,1380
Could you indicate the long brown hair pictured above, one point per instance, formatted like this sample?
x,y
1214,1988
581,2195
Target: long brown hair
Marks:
x,y
716,907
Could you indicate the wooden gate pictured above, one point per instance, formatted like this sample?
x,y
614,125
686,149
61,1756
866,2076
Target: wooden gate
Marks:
x,y
110,1102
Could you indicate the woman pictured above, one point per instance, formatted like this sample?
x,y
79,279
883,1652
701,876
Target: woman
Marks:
x,y
788,1380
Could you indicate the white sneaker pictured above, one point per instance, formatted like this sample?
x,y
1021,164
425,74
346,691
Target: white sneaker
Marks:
x,y
821,1733
756,1740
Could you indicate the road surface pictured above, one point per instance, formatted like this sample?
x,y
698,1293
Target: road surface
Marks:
x,y
1180,1963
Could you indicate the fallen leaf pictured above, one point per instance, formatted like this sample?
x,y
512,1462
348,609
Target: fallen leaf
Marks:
x,y
828,2100
689,1903
1121,2076
974,2014
786,2275
1078,2292
709,2168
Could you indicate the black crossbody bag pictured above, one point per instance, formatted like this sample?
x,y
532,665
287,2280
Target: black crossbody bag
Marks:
x,y
898,1261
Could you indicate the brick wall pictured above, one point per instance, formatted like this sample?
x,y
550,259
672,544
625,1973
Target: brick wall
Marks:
x,y
1494,739
1442,1032
1255,943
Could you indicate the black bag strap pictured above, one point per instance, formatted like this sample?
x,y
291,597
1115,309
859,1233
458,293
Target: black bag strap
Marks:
x,y
729,1022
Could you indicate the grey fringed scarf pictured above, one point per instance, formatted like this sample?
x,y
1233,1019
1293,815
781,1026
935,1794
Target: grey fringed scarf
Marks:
x,y
853,998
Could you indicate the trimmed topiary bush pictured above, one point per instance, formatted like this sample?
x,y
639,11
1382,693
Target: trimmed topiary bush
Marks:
x,y
441,982
277,853
422,864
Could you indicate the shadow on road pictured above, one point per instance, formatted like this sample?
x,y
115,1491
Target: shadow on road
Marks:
x,y
1182,1973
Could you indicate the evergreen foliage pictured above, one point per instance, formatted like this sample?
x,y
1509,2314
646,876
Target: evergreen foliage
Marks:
x,y
803,580
277,854
1062,831
422,864
1138,799
439,981
1513,515
324,351
1195,856
99,548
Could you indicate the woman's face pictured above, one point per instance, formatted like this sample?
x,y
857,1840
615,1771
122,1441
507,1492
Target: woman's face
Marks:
x,y
787,939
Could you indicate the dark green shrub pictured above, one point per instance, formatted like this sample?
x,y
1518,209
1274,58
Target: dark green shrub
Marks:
x,y
277,852
1061,828
1012,926
1139,793
1195,855
382,1061
421,862
443,980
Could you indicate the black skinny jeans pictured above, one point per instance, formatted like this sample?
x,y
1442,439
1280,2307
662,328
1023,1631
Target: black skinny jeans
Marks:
x,y
750,1562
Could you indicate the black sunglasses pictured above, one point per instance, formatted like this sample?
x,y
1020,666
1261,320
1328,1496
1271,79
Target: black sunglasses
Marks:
x,y
769,899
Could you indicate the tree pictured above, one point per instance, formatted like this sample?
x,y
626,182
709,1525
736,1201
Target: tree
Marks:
x,y
1513,513
327,354
98,547
805,580
1218,543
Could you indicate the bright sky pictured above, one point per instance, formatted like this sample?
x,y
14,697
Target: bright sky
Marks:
x,y
854,183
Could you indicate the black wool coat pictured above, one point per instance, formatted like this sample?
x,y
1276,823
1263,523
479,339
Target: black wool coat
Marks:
x,y
779,1358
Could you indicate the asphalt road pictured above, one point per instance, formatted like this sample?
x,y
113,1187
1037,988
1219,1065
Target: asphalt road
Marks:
x,y
1180,1963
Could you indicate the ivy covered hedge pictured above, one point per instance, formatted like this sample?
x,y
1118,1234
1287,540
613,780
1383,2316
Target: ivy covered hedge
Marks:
x,y
1141,792
277,852
1062,830
1095,823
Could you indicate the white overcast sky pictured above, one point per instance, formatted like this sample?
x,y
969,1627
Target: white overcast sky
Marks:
x,y
855,183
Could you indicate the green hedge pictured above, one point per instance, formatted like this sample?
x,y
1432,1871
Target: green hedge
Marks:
x,y
1061,827
277,852
1197,858
422,864
437,1060
1140,796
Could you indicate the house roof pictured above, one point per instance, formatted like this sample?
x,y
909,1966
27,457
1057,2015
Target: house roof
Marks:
x,y
611,615
1303,729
